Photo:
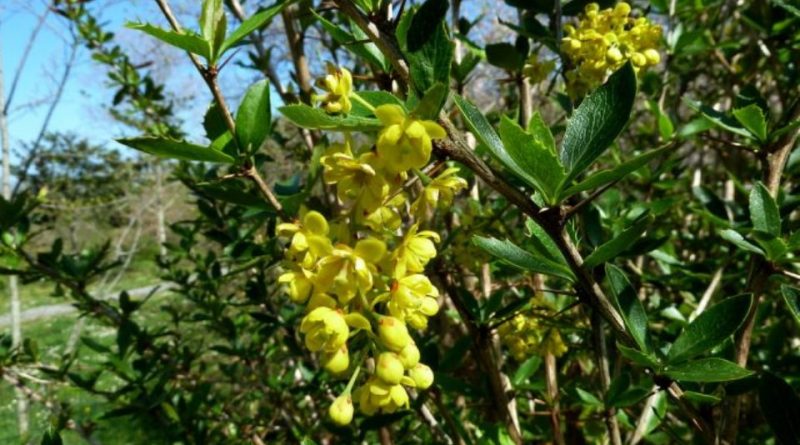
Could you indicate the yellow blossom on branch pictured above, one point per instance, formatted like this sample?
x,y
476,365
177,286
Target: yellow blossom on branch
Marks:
x,y
338,84
405,142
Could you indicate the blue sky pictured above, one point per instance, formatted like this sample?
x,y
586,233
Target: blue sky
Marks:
x,y
82,109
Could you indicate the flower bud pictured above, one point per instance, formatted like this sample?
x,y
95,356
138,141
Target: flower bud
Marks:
x,y
341,410
422,376
393,333
614,55
336,362
389,368
638,59
622,9
652,56
409,356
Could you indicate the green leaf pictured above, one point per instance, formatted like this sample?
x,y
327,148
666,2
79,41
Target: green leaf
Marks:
x,y
172,149
481,128
630,307
486,135
605,177
791,296
780,406
254,117
764,211
432,101
505,55
540,165
541,132
315,118
598,120
619,244
718,118
785,5
187,42
355,44
425,23
752,118
525,370
708,370
424,39
510,253
699,397
738,240
710,328
256,21
638,357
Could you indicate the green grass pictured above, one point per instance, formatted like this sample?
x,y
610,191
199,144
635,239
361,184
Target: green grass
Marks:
x,y
51,336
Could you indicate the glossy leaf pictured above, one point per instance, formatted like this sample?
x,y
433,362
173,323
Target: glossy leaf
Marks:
x,y
539,163
256,21
355,44
617,173
315,118
631,309
187,42
719,118
254,117
752,118
764,211
706,370
738,240
598,120
791,296
510,253
172,149
710,328
619,243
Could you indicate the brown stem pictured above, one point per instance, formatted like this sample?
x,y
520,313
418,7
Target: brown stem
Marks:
x,y
760,271
551,378
209,74
601,356
296,49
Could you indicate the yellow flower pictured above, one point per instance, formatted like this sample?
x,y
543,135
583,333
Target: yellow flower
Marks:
x,y
336,362
537,71
298,284
404,142
338,84
389,368
525,336
341,410
346,271
603,41
422,376
393,333
376,395
409,356
414,251
385,218
358,180
413,299
309,238
325,330
438,193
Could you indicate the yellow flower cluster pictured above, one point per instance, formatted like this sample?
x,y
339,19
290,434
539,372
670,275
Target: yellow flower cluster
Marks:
x,y
603,41
536,70
363,272
338,84
524,335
